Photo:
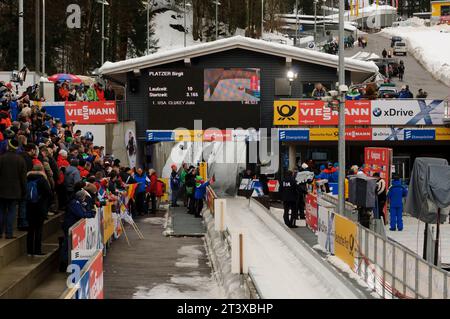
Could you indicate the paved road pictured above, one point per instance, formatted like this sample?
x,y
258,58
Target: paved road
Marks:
x,y
416,76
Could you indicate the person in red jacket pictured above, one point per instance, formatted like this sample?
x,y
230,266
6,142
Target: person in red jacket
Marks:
x,y
64,92
84,173
153,190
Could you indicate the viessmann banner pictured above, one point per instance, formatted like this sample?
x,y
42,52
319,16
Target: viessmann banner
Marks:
x,y
377,112
91,112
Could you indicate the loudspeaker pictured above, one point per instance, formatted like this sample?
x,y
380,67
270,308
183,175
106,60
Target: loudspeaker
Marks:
x,y
134,86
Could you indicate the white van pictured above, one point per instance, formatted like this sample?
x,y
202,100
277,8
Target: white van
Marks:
x,y
400,48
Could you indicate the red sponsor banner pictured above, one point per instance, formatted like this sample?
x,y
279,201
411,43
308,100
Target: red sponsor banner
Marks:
x,y
78,235
318,113
311,212
378,160
358,134
96,277
273,186
217,135
91,112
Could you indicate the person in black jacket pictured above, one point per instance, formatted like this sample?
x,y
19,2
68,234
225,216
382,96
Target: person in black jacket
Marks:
x,y
289,196
37,205
190,188
13,187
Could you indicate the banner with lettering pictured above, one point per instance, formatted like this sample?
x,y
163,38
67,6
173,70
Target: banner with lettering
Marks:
x,y
102,112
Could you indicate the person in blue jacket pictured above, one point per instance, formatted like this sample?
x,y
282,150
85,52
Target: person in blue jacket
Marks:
x,y
395,196
76,210
141,178
199,194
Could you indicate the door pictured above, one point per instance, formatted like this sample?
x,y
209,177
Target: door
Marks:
x,y
402,167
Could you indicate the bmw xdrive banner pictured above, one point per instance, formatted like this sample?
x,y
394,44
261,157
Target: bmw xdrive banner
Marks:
x,y
407,112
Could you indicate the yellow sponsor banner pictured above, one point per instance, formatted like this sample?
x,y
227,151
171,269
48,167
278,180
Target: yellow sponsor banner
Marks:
x,y
189,135
203,168
165,197
108,223
323,134
345,240
285,113
442,134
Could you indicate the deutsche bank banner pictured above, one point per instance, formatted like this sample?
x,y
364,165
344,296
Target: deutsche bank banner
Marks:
x,y
407,112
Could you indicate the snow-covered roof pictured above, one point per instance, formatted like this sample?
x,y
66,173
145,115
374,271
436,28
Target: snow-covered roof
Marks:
x,y
237,42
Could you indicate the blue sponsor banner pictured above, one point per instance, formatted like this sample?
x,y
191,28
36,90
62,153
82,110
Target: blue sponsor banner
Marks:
x,y
160,136
55,109
420,135
293,135
83,291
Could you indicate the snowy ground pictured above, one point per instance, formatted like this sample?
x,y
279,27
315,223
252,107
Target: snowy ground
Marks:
x,y
412,237
190,285
429,45
278,272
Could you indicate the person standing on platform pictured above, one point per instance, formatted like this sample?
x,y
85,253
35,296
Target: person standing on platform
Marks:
x,y
395,195
289,196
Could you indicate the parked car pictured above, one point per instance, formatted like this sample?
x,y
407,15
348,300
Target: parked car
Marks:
x,y
387,91
400,48
395,39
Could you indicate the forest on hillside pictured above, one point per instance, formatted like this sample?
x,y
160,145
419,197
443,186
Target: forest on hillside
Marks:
x,y
78,50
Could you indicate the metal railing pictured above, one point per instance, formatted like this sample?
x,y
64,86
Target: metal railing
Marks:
x,y
396,272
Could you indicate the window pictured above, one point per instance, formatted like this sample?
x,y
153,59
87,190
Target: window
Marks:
x,y
308,88
282,87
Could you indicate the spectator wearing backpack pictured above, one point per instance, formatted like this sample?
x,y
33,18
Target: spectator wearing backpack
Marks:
x,y
174,185
13,172
38,196
71,177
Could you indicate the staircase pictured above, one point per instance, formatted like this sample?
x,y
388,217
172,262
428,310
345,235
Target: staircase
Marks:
x,y
20,274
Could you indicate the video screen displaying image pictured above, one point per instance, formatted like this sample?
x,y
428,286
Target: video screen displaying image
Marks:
x,y
232,84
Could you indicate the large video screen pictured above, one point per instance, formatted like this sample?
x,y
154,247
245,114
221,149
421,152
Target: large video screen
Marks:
x,y
220,97
232,84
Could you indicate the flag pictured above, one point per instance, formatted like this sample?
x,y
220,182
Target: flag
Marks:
x,y
132,190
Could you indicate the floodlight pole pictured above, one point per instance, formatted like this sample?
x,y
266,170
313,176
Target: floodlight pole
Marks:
x,y
341,143
20,35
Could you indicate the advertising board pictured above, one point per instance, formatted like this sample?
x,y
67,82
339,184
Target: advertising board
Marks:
x,y
345,240
311,211
101,112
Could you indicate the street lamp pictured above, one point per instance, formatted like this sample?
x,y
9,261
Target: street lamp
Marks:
x,y
323,11
315,19
43,37
291,76
217,3
343,90
262,18
185,30
103,3
296,22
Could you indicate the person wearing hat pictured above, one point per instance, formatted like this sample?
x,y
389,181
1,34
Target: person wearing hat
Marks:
x,y
38,196
13,172
76,210
199,194
174,185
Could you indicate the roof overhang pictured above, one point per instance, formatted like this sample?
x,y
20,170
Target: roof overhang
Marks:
x,y
237,42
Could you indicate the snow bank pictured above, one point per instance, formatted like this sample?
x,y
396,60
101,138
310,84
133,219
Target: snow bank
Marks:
x,y
429,45
220,257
